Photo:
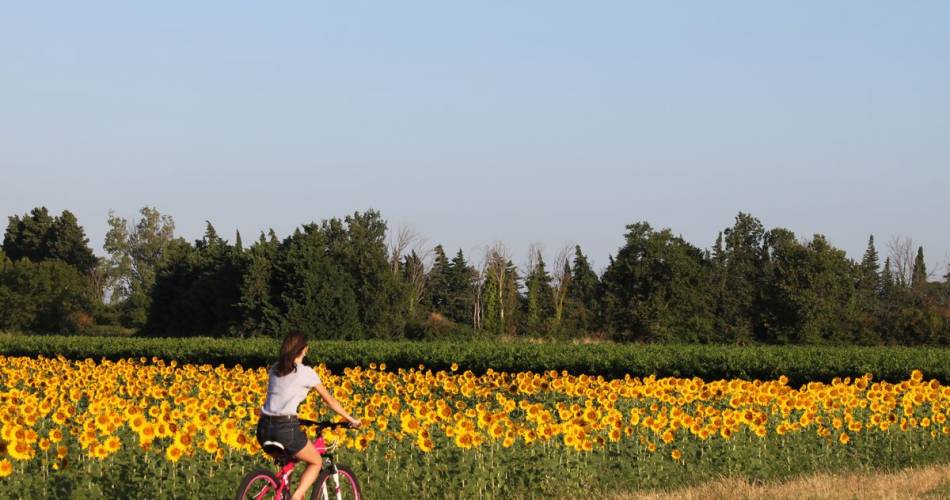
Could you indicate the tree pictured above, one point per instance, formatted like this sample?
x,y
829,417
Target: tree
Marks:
x,y
787,264
196,290
260,315
438,282
413,277
38,236
741,280
358,243
49,296
808,292
655,288
335,280
500,291
459,298
402,241
561,283
919,273
865,308
539,308
315,292
408,269
869,278
583,294
902,258
479,295
887,280
136,251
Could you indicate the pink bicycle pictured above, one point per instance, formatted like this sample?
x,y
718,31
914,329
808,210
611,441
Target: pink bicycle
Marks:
x,y
335,482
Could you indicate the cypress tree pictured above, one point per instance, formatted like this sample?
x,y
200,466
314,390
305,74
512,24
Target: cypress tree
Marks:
x,y
869,278
539,308
887,279
919,276
459,298
869,288
438,282
718,255
583,293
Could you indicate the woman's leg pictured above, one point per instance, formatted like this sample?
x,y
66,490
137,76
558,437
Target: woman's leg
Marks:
x,y
310,455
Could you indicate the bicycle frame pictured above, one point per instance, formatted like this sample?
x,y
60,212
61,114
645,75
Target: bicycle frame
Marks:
x,y
284,475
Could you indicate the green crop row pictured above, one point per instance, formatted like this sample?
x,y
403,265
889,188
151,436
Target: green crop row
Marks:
x,y
799,363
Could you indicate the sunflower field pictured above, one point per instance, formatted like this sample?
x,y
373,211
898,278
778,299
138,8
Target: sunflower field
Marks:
x,y
150,428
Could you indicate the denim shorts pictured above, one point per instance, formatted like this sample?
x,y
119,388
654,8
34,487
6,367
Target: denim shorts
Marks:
x,y
285,431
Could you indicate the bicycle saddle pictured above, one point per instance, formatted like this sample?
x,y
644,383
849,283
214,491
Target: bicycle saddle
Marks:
x,y
276,450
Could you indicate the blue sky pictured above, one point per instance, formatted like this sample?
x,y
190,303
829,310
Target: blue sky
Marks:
x,y
551,122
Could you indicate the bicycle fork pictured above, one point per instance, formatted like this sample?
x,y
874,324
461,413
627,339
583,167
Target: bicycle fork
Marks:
x,y
335,477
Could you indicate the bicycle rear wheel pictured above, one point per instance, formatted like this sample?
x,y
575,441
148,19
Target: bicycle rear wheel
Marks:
x,y
258,485
342,487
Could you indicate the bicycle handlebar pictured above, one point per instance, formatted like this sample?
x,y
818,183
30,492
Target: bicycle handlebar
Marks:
x,y
323,425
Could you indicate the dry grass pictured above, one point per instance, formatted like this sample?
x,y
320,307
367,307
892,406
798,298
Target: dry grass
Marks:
x,y
925,482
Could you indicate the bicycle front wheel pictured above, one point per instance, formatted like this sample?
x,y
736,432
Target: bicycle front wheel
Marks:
x,y
258,485
341,485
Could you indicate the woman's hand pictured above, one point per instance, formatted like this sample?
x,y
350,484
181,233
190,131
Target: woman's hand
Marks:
x,y
335,406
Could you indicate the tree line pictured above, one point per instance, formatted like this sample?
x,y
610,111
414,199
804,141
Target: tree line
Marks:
x,y
353,278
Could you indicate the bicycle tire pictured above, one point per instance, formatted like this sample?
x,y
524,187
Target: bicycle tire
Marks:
x,y
348,482
258,481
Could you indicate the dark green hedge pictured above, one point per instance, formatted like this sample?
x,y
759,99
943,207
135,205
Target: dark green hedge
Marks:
x,y
800,364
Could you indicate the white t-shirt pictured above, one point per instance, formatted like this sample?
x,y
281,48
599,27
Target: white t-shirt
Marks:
x,y
285,393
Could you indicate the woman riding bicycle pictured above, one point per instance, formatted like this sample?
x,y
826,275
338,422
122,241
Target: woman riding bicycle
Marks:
x,y
288,383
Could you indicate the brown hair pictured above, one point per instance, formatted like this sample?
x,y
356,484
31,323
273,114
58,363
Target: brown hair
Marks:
x,y
293,344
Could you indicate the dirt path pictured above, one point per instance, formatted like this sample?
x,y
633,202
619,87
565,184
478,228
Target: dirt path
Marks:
x,y
927,482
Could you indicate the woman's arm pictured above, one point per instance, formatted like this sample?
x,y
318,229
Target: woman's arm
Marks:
x,y
335,405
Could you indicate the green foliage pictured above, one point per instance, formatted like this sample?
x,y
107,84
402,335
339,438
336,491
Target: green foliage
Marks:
x,y
538,298
653,289
196,289
439,288
501,298
582,312
919,272
337,280
314,292
38,236
808,290
864,310
44,297
257,306
740,276
709,362
136,252
460,278
358,244
494,472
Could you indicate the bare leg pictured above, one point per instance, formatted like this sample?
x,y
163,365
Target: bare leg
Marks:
x,y
310,455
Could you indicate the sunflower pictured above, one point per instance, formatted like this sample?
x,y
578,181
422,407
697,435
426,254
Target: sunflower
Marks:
x,y
844,438
6,468
174,452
